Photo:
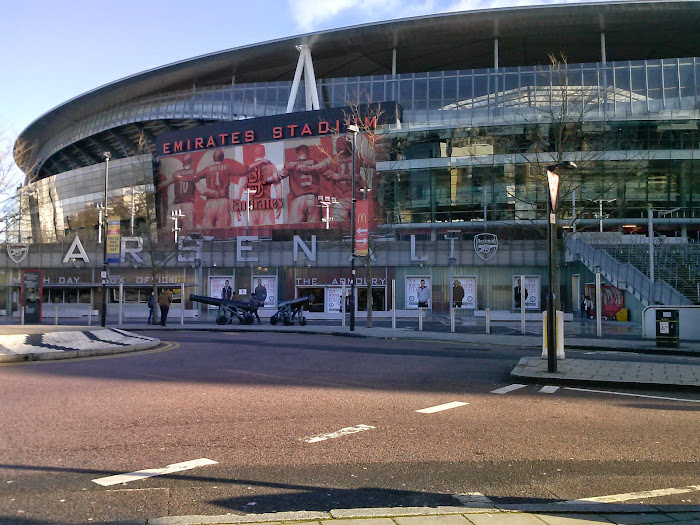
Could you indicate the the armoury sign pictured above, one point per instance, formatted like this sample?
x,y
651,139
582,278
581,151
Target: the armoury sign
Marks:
x,y
485,245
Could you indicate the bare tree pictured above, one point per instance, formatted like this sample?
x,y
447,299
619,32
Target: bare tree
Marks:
x,y
371,143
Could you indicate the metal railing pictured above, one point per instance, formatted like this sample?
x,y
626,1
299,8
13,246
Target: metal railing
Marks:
x,y
624,275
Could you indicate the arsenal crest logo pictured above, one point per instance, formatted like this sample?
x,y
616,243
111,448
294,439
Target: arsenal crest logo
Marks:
x,y
485,245
17,251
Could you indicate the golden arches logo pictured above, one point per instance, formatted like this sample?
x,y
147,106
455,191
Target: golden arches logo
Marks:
x,y
362,217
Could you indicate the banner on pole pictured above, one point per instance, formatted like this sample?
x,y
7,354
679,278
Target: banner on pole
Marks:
x,y
113,241
362,228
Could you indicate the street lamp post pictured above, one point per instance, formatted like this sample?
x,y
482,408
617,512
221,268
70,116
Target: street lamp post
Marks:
x,y
553,182
354,129
107,156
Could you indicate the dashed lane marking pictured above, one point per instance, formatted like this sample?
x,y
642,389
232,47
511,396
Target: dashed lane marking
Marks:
x,y
632,395
149,473
616,498
507,389
548,389
339,433
440,408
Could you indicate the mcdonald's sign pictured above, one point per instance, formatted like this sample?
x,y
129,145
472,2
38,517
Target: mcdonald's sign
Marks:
x,y
362,228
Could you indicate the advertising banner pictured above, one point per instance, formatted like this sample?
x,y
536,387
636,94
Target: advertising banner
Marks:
x,y
362,228
334,299
468,284
532,292
269,282
113,241
217,284
418,287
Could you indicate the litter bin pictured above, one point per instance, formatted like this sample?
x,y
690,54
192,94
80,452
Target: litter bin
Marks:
x,y
667,328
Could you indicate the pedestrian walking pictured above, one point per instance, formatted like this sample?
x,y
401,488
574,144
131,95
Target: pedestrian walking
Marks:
x,y
164,300
258,298
150,308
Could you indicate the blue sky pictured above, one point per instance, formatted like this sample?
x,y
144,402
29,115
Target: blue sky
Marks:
x,y
52,51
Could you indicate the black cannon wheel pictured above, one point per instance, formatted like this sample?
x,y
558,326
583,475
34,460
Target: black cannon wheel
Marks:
x,y
222,319
274,319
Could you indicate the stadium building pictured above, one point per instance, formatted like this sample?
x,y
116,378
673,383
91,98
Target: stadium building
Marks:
x,y
242,165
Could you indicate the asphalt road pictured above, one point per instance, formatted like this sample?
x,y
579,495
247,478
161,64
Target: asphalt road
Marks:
x,y
254,403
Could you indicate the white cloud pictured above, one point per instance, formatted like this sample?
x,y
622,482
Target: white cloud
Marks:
x,y
312,15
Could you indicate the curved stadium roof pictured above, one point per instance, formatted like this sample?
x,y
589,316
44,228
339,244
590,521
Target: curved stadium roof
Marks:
x,y
526,35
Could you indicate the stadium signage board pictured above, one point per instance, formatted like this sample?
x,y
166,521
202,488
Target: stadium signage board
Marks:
x,y
277,127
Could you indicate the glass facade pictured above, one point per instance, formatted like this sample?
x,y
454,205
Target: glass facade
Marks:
x,y
474,144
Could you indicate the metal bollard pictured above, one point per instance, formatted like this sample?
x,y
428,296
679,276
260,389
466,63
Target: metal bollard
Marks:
x,y
488,321
420,319
55,315
393,303
90,316
452,319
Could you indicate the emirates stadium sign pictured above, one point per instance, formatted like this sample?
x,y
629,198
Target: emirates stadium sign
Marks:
x,y
258,175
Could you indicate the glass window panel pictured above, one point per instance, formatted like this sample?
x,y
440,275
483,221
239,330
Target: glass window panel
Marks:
x,y
622,80
687,80
449,89
406,94
84,296
654,80
480,86
420,94
466,88
435,93
670,77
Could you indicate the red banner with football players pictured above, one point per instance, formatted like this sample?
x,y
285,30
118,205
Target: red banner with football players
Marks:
x,y
258,187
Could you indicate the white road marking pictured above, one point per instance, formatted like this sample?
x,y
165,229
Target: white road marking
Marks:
x,y
616,498
148,473
469,499
548,389
339,433
507,389
440,408
633,395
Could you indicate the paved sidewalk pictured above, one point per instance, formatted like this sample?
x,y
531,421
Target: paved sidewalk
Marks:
x,y
489,514
606,372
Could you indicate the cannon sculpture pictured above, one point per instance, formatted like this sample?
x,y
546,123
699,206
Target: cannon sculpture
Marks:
x,y
228,309
287,311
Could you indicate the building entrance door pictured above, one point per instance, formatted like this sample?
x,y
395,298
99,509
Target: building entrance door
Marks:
x,y
378,299
319,294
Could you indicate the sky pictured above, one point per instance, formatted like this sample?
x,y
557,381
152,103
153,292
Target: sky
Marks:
x,y
52,51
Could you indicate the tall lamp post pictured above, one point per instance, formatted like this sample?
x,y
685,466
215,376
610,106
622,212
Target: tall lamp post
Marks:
x,y
354,129
107,156
553,183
